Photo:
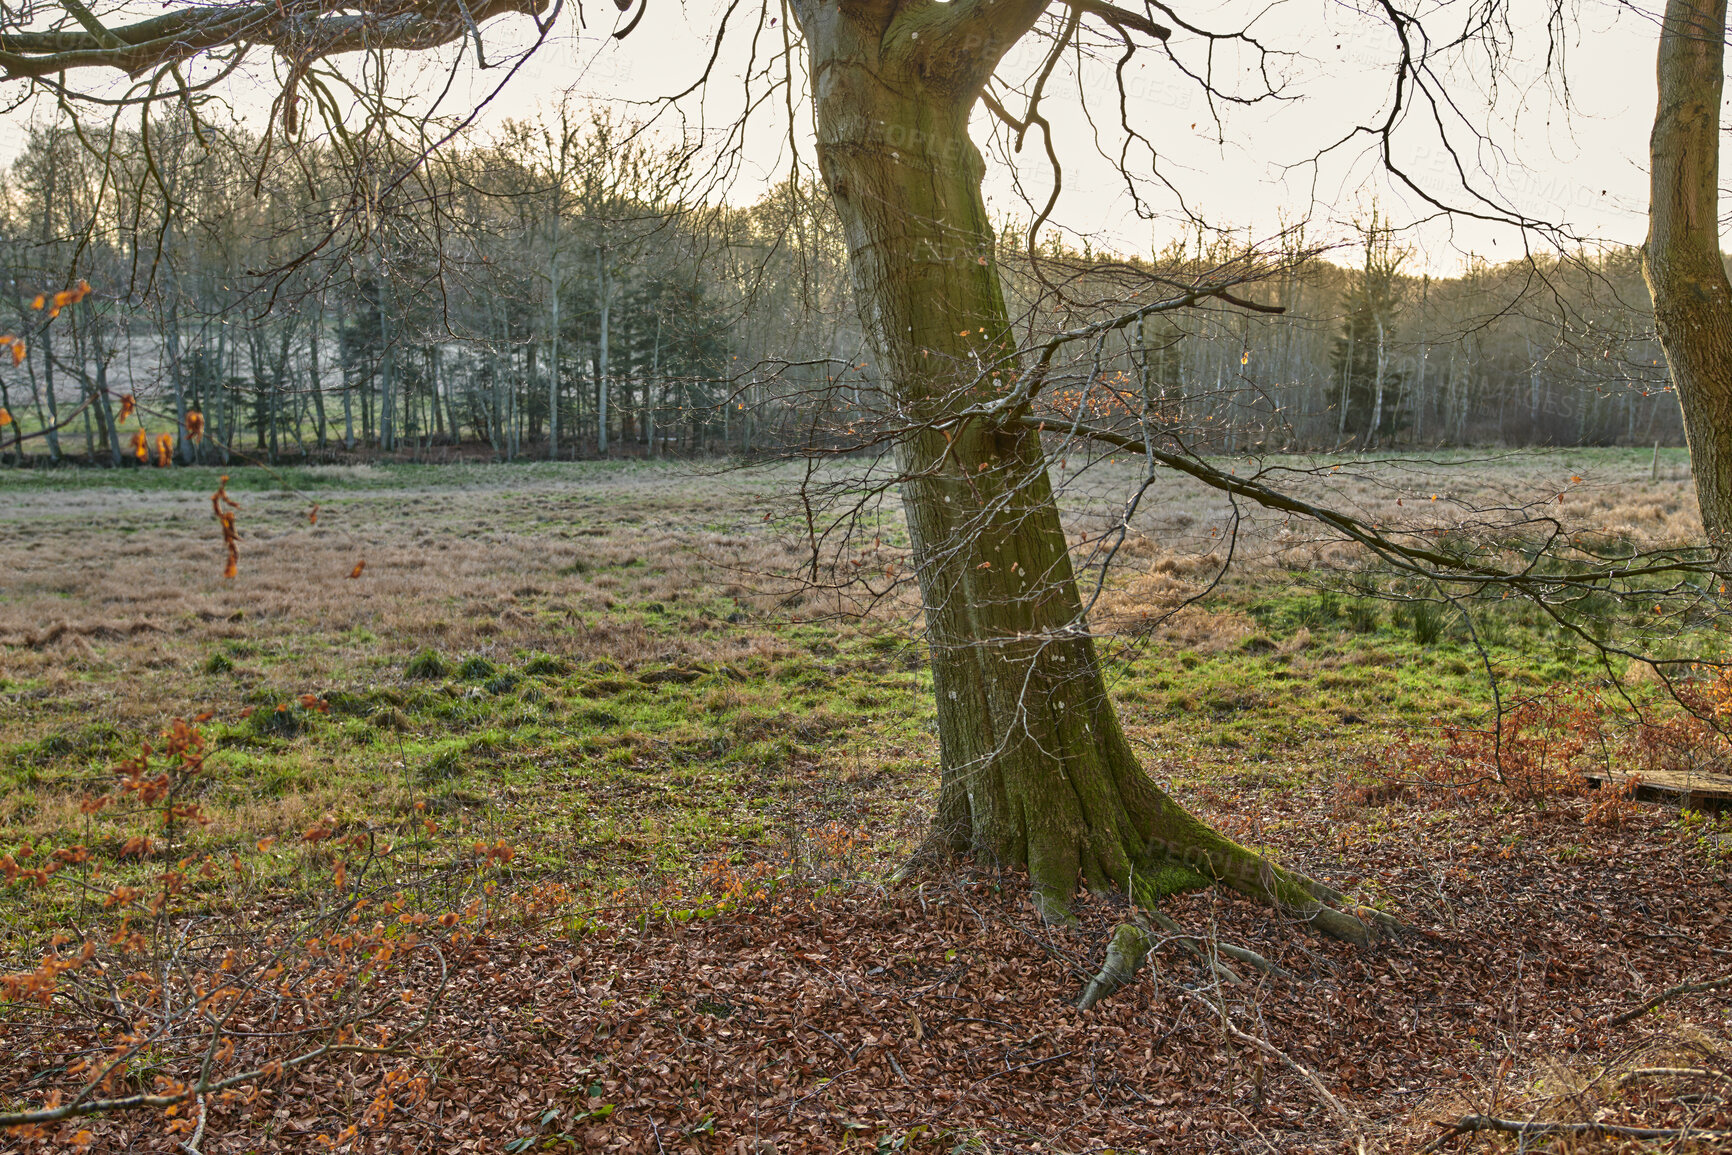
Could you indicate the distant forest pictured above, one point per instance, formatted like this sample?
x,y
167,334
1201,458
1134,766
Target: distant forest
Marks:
x,y
568,290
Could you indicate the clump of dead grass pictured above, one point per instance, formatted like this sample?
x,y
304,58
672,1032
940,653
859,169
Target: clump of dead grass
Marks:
x,y
1665,1081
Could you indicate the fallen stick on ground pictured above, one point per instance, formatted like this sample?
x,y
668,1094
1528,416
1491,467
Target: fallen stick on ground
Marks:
x,y
1668,995
1471,1123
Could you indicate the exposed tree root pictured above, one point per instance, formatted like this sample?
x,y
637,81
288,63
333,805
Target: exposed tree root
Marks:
x,y
1126,953
1198,947
1237,868
1187,855
1132,943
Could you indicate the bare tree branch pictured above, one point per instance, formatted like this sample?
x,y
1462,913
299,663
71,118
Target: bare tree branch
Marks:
x,y
300,32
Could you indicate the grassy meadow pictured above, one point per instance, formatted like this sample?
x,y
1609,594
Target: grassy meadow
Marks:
x,y
614,667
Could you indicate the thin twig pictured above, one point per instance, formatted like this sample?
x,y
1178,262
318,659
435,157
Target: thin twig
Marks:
x,y
1324,1095
1026,1066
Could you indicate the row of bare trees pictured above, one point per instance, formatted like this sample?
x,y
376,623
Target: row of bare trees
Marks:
x,y
544,293
1370,352
558,290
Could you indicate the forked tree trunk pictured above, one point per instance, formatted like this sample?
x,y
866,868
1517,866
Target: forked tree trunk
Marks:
x,y
1681,259
1036,770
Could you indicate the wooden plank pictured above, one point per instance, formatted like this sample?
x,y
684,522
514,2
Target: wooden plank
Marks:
x,y
1710,792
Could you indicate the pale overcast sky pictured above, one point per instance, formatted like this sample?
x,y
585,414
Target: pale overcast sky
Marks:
x,y
1584,164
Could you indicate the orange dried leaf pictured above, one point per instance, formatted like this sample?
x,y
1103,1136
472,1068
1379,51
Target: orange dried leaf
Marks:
x,y
5,418
226,519
39,301
359,566
127,404
164,450
141,446
194,424
17,352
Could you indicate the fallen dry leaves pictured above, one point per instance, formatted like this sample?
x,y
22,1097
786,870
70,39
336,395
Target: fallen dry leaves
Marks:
x,y
941,1014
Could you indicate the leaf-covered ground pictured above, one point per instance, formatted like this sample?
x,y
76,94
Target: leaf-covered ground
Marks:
x,y
938,1015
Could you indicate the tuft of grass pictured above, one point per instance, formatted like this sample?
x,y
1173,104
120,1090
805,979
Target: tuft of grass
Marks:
x,y
282,722
428,665
218,663
445,765
476,668
547,666
349,705
1427,620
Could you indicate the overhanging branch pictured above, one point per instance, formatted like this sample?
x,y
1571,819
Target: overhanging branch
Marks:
x,y
300,31
1431,564
1119,18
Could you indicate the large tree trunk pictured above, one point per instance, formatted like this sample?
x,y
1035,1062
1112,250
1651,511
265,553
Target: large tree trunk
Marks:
x,y
1681,260
1036,770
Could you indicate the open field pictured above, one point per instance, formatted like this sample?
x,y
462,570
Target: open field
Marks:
x,y
625,666
609,667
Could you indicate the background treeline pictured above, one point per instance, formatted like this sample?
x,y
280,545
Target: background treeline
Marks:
x,y
568,289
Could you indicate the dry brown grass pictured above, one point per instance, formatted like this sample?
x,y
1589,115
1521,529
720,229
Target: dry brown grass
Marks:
x,y
1672,1077
113,597
1183,523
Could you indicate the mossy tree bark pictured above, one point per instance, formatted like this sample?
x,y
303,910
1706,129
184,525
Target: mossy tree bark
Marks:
x,y
1681,260
1036,769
